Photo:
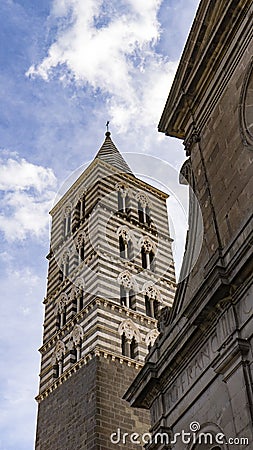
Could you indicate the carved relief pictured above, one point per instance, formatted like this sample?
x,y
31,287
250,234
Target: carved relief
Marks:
x,y
151,337
58,352
77,334
126,280
143,199
147,244
67,210
61,303
125,233
152,291
122,188
130,330
80,239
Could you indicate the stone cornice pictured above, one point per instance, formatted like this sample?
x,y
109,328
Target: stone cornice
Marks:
x,y
189,331
96,303
96,352
206,64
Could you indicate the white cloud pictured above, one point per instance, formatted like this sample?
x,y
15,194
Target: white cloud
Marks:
x,y
111,47
26,197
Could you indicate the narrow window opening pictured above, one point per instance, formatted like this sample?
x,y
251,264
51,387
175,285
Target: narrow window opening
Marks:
x,y
132,300
143,258
120,202
140,213
124,345
133,349
81,253
147,306
122,296
122,247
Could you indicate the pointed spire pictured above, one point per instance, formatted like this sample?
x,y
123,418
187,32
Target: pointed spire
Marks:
x,y
111,155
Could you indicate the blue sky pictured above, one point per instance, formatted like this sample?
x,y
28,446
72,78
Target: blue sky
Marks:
x,y
68,66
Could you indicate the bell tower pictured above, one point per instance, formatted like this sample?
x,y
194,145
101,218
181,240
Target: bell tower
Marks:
x,y
110,274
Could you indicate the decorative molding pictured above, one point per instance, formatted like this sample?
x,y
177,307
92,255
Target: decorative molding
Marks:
x,y
97,352
80,239
151,337
125,233
77,334
123,188
58,352
128,328
192,139
127,280
143,199
151,290
148,244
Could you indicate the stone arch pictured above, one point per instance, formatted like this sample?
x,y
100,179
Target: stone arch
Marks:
x,y
122,187
126,279
77,334
211,431
58,351
67,210
147,244
151,337
143,199
124,232
152,291
61,302
130,330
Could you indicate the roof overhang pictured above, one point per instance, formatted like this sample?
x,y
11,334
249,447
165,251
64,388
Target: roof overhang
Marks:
x,y
204,63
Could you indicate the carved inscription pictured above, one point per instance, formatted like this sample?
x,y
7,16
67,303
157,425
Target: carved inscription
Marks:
x,y
201,360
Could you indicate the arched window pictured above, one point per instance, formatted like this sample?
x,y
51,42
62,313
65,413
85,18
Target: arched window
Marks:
x,y
148,219
125,242
80,246
143,258
129,347
147,306
147,254
58,359
76,298
61,310
133,349
143,208
130,337
127,297
79,211
152,300
127,290
123,345
64,267
151,307
140,213
75,345
61,272
123,198
122,247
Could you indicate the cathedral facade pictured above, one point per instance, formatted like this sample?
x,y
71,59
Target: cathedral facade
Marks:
x,y
110,273
197,379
